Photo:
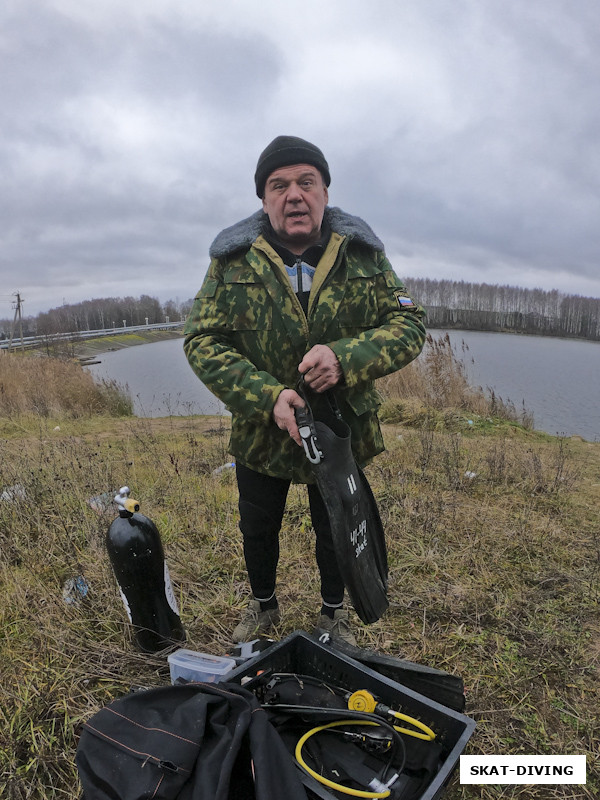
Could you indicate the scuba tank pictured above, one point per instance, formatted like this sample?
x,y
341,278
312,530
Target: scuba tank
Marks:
x,y
137,558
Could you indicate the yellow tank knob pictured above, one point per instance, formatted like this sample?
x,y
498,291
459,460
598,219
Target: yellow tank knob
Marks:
x,y
131,505
362,701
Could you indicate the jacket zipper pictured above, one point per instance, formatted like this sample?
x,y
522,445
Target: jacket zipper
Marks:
x,y
299,275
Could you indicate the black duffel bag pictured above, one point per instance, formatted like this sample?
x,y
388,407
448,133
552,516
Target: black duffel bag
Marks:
x,y
195,741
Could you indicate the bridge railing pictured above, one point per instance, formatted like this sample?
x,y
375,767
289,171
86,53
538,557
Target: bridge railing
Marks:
x,y
76,336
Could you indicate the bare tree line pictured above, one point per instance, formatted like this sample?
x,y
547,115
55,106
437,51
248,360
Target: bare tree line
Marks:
x,y
487,307
449,304
101,313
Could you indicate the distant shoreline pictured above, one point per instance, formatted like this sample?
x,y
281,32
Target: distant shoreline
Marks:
x,y
91,348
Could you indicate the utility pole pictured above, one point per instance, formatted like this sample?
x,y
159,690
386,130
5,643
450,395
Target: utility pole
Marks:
x,y
17,306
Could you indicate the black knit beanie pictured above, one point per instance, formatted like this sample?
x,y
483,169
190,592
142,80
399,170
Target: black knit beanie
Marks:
x,y
285,151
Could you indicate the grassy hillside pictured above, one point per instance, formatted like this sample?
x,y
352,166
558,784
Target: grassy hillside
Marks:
x,y
494,553
88,348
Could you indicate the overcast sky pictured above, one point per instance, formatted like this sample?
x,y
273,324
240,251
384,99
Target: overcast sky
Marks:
x,y
466,132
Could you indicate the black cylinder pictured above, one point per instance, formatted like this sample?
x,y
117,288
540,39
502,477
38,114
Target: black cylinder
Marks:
x,y
137,557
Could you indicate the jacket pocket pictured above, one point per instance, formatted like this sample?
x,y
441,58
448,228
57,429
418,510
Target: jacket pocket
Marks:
x,y
364,400
358,309
246,301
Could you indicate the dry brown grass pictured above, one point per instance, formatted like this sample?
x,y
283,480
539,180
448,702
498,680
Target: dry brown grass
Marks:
x,y
494,550
47,387
435,388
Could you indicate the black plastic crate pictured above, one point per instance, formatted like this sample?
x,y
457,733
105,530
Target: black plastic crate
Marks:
x,y
301,654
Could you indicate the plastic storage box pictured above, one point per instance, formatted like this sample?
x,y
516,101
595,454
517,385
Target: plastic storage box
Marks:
x,y
301,654
191,666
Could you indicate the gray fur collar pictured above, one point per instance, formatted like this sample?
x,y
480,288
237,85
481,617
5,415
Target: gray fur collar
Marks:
x,y
242,234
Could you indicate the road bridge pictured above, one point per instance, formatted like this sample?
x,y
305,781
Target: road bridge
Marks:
x,y
28,342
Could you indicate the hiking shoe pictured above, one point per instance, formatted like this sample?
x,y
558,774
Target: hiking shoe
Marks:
x,y
338,627
255,622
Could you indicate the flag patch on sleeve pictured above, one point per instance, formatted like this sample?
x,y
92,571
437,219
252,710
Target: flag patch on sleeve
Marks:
x,y
404,302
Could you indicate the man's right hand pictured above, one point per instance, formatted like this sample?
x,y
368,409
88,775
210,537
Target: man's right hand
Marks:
x,y
283,413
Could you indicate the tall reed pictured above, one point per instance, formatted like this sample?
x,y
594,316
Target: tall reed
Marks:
x,y
438,381
50,387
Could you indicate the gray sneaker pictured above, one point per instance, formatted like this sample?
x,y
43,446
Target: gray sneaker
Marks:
x,y
255,622
338,627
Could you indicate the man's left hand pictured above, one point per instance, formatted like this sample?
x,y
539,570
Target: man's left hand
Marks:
x,y
320,368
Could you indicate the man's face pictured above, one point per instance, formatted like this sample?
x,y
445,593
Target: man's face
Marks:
x,y
295,200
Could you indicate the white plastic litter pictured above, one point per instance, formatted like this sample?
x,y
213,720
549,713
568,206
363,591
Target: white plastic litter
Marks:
x,y
74,590
223,467
13,493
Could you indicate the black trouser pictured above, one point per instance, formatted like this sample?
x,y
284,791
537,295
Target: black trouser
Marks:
x,y
262,501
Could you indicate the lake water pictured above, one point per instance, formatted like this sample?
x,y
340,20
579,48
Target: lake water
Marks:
x,y
558,380
159,378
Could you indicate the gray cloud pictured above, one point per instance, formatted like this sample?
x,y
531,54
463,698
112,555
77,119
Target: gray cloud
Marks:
x,y
465,133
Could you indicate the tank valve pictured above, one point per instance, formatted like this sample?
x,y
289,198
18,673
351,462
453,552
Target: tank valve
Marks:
x,y
125,502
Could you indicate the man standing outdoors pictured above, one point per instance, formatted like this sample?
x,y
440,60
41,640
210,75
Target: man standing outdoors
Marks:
x,y
298,288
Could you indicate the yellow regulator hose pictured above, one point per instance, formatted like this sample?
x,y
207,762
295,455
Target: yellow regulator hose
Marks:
x,y
325,781
363,701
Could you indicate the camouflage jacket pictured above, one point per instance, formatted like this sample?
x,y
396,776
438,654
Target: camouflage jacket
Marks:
x,y
247,333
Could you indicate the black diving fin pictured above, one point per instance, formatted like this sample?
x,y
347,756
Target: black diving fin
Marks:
x,y
358,535
438,685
